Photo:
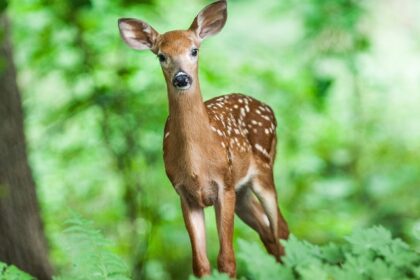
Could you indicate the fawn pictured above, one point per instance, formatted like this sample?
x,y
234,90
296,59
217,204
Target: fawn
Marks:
x,y
219,152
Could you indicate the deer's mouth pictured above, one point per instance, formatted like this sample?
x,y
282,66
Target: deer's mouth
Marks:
x,y
182,81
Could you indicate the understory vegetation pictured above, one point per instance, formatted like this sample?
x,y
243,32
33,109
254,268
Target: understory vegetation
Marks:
x,y
365,254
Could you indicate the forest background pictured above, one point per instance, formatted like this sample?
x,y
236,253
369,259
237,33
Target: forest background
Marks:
x,y
342,76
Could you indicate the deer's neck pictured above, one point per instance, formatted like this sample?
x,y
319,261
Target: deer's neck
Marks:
x,y
189,121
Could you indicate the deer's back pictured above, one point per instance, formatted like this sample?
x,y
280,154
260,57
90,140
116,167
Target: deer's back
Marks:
x,y
244,125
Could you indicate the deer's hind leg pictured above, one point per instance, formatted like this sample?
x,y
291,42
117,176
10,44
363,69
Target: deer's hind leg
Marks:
x,y
250,210
264,189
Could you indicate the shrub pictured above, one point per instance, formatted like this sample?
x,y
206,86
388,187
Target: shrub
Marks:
x,y
366,254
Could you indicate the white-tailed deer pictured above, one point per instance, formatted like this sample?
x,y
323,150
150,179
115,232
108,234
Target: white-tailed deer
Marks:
x,y
219,152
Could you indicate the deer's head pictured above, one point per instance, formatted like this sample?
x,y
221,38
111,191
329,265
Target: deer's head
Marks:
x,y
177,50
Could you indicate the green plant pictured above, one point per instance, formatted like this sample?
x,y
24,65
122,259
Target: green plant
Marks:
x,y
11,272
89,254
367,254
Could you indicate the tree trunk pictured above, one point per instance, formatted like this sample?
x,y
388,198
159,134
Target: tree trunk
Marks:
x,y
22,241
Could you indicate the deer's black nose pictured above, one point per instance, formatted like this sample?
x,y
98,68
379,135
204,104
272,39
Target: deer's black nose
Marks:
x,y
181,80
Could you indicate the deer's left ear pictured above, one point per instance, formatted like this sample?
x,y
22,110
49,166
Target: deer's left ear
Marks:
x,y
137,34
210,20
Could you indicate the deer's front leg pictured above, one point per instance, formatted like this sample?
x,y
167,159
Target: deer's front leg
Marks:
x,y
225,209
194,221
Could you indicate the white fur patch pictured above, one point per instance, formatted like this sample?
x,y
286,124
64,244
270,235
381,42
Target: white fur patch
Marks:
x,y
180,73
259,148
266,220
249,175
199,229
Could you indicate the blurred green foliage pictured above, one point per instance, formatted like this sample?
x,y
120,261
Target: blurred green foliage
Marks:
x,y
341,76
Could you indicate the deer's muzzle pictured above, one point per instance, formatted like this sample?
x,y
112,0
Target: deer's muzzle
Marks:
x,y
181,80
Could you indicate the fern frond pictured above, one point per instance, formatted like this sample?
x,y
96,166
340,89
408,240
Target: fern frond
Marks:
x,y
89,253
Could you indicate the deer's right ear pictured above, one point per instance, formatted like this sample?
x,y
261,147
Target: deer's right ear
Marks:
x,y
210,20
137,34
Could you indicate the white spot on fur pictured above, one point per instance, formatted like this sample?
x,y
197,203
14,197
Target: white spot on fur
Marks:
x,y
259,148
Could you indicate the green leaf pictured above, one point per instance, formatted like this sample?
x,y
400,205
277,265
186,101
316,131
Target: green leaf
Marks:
x,y
332,253
365,241
216,275
11,272
301,253
260,265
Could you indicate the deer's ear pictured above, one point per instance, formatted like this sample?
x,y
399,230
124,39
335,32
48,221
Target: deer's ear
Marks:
x,y
210,20
137,34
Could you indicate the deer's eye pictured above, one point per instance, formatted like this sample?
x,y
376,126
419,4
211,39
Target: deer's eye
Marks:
x,y
161,57
194,52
